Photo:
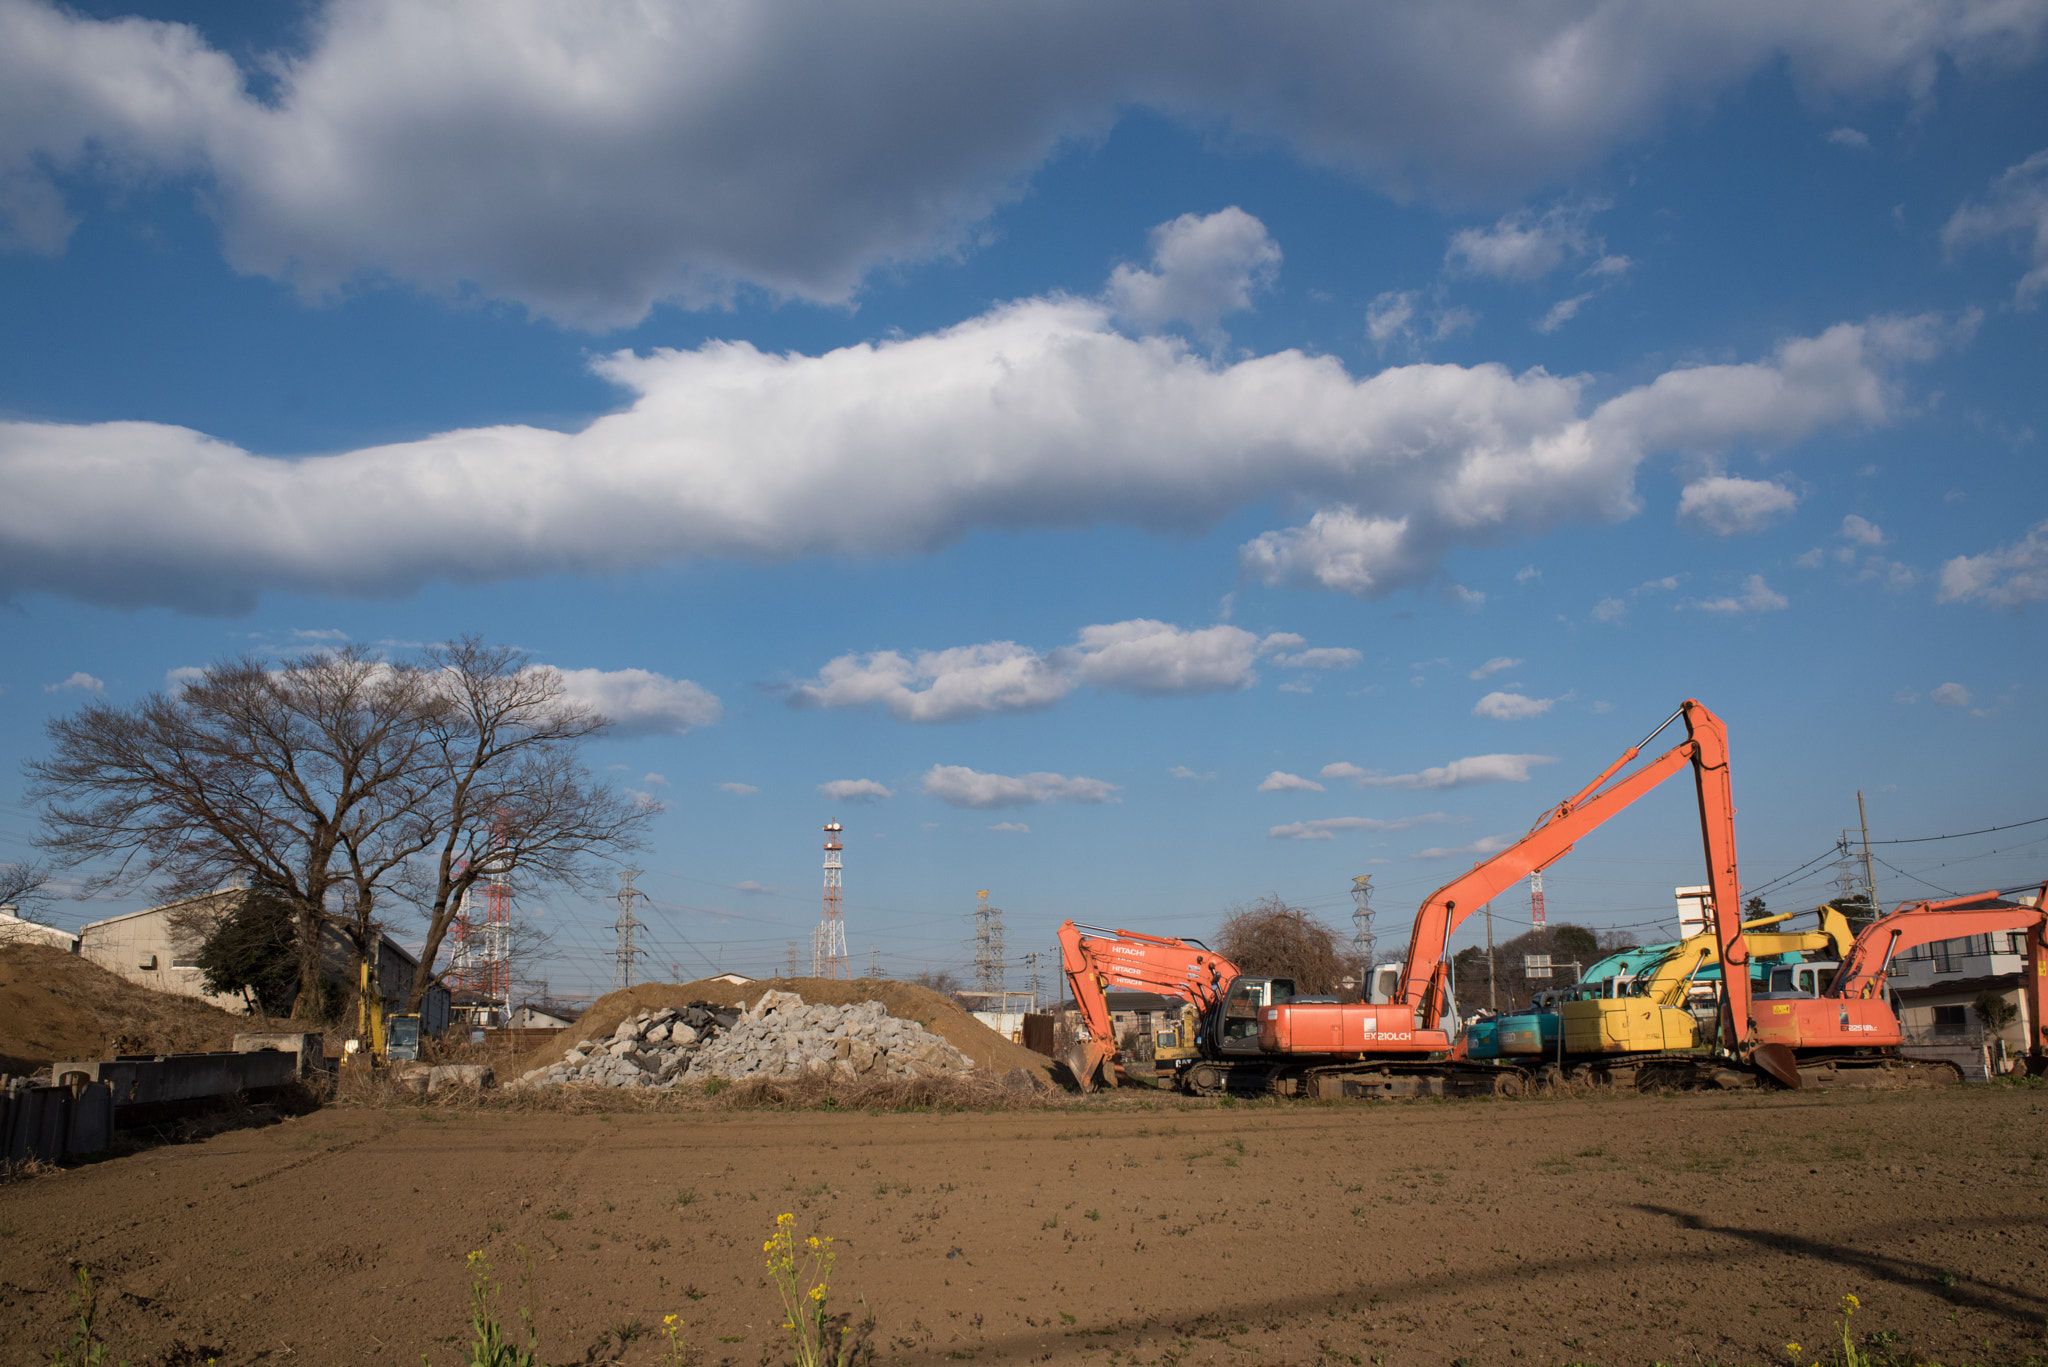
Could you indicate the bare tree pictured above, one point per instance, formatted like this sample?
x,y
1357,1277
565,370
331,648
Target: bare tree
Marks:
x,y
282,776
24,887
1272,939
512,795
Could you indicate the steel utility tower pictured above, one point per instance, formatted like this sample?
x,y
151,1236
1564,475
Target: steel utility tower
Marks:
x,y
988,944
626,953
1536,912
828,942
1363,941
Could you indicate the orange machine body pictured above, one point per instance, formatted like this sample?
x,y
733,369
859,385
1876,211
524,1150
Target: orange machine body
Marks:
x,y
1355,1029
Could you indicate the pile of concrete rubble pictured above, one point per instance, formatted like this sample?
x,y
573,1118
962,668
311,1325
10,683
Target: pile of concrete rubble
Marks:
x,y
779,1036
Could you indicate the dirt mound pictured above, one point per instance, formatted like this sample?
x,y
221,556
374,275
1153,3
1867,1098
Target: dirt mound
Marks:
x,y
935,1012
55,1005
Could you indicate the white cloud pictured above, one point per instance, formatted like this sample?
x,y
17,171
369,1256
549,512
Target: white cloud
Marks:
x,y
1279,782
1324,657
1036,414
959,786
1013,827
1459,773
1297,686
587,161
939,685
1850,137
320,634
754,889
2016,208
1528,574
1491,844
1182,771
1610,610
1757,596
1387,316
654,781
1810,560
641,702
1150,658
1511,706
738,789
1541,463
1951,695
1731,506
1562,312
854,790
2008,577
1495,666
1327,828
177,680
1204,268
1524,245
1609,268
80,681
1862,532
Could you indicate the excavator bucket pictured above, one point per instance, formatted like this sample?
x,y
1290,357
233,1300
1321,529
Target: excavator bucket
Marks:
x,y
1778,1061
1088,1060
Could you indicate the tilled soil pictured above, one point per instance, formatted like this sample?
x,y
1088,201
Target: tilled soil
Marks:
x,y
1627,1229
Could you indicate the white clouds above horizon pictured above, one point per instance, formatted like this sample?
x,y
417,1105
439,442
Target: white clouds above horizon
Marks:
x,y
2006,577
1511,706
80,682
1037,414
1490,844
1731,506
854,790
641,702
1203,269
1280,782
1459,773
959,786
1756,596
1525,246
468,146
1142,656
1495,666
1328,827
2016,208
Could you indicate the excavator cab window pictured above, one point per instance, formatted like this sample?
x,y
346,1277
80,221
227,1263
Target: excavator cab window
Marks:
x,y
1240,1033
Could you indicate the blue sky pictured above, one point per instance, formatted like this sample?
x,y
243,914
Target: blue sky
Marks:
x,y
1174,455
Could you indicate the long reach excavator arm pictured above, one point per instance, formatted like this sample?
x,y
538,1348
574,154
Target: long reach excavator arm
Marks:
x,y
1096,962
1705,750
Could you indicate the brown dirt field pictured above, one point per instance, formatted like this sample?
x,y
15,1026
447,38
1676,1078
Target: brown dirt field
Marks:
x,y
1612,1230
55,1005
935,1011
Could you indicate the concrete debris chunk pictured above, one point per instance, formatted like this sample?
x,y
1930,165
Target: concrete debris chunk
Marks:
x,y
779,1036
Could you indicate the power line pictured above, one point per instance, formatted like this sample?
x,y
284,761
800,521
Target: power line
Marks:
x,y
1923,839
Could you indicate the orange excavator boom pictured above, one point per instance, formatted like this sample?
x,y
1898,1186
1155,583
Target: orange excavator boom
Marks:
x,y
1097,962
1705,750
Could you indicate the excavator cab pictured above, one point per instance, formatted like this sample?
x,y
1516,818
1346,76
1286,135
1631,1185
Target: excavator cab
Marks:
x,y
1237,1015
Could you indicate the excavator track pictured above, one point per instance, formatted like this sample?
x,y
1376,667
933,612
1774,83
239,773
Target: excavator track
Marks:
x,y
1355,1081
1697,1072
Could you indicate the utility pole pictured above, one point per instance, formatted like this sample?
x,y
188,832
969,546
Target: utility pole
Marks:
x,y
1869,868
1032,960
1492,997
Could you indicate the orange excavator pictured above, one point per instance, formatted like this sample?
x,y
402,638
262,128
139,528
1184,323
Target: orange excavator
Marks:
x,y
1256,1035
1849,1036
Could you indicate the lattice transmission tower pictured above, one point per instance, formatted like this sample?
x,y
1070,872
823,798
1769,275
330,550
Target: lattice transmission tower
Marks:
x,y
626,954
828,942
988,944
1363,941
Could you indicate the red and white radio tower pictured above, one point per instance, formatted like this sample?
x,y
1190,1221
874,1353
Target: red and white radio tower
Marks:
x,y
828,943
1536,899
481,964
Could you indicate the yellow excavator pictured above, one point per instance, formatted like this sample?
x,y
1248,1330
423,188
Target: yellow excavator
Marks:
x,y
1650,1018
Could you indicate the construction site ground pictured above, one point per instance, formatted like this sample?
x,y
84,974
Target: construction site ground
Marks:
x,y
1624,1229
